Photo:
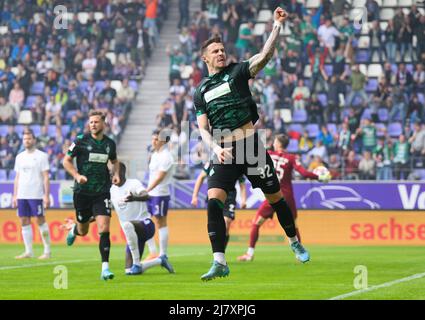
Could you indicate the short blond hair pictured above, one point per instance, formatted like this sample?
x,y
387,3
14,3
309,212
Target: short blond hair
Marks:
x,y
99,113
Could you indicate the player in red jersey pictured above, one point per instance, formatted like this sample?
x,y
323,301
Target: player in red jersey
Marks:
x,y
284,164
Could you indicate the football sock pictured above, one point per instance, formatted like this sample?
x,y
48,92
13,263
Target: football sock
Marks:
x,y
285,217
253,236
151,263
163,240
226,241
75,230
132,241
216,225
219,257
45,236
292,239
104,246
151,245
250,251
27,237
298,234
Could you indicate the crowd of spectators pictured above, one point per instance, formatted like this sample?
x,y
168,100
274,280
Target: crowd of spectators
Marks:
x,y
56,66
349,98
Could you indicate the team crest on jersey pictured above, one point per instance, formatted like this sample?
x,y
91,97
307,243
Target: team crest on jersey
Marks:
x,y
212,172
226,78
89,148
107,149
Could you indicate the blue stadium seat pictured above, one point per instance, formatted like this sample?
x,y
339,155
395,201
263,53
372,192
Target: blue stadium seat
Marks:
x,y
70,114
395,129
380,127
3,175
313,130
19,129
51,131
30,101
332,127
3,130
100,85
372,85
65,130
383,114
293,146
367,114
362,56
61,174
323,99
296,127
133,84
37,88
36,128
12,174
299,116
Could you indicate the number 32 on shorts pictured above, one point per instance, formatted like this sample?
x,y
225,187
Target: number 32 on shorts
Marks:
x,y
265,172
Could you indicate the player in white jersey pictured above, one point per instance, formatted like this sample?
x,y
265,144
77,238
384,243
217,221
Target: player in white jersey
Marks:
x,y
160,174
129,200
31,194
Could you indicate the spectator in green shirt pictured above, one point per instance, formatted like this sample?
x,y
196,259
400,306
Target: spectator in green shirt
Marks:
x,y
383,155
368,133
401,157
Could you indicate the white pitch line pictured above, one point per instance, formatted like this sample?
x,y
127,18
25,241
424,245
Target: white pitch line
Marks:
x,y
383,285
43,264
78,261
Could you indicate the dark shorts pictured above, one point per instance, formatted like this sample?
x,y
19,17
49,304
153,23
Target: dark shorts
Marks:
x,y
145,230
87,206
251,159
158,206
30,208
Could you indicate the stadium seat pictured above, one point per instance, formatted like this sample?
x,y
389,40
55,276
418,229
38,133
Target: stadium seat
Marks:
x,y
134,85
286,115
111,56
83,17
367,114
381,129
3,175
395,129
12,174
332,127
70,114
36,128
358,3
37,88
313,4
374,70
25,117
421,98
293,146
98,16
259,29
3,130
307,71
372,85
65,130
323,99
296,127
265,15
19,129
387,14
313,130
362,56
364,42
100,85
299,116
328,69
389,3
51,131
61,174
186,72
383,114
4,30
363,69
116,84
30,101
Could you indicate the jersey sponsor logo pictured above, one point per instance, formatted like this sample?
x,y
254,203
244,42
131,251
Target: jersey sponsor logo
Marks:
x,y
226,78
98,157
217,92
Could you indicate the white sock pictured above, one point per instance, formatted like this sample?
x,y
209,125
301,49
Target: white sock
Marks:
x,y
292,239
105,265
152,246
151,263
219,257
27,236
132,241
127,270
163,240
45,236
250,251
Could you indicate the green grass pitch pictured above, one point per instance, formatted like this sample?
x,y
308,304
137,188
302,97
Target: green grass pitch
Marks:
x,y
274,274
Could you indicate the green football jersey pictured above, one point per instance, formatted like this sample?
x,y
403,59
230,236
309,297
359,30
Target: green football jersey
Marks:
x,y
92,161
226,99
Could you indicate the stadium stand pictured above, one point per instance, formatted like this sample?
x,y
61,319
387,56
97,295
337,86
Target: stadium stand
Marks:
x,y
369,77
52,75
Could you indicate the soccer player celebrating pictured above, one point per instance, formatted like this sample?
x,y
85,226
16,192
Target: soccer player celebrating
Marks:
x,y
224,102
284,164
92,184
31,193
160,175
229,205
